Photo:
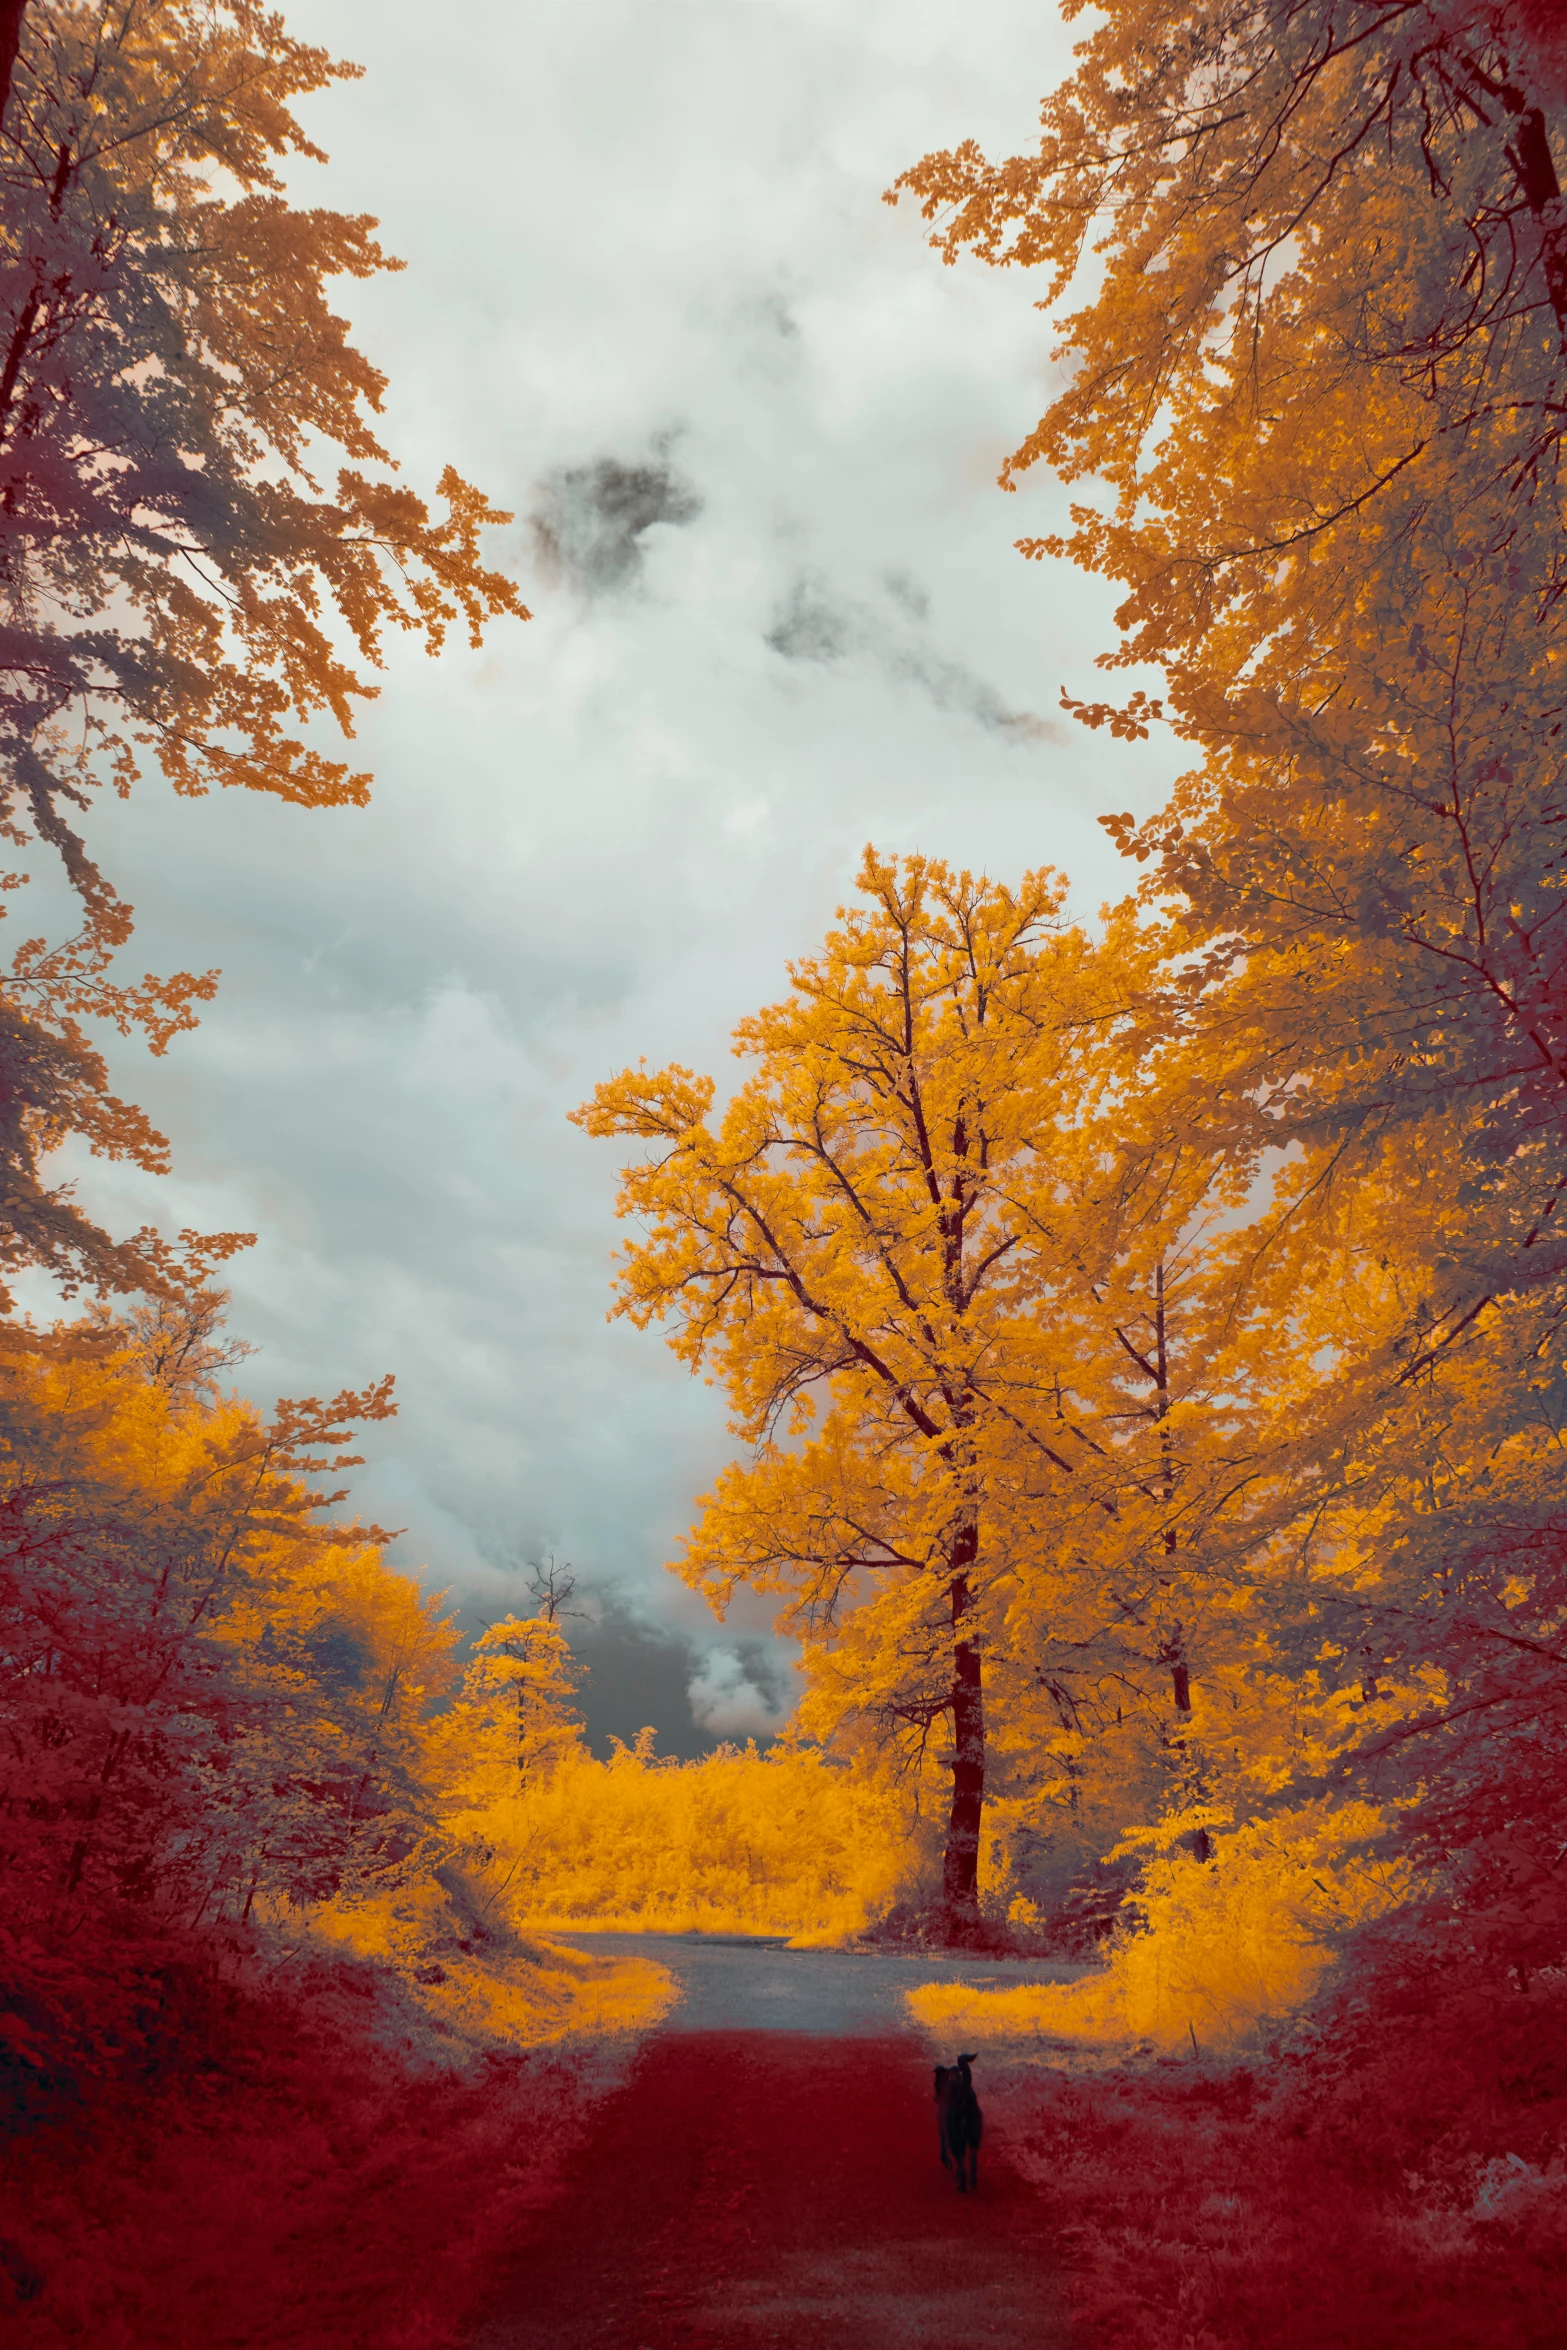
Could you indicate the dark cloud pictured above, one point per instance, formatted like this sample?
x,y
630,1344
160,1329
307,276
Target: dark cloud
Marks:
x,y
810,626
637,1674
908,592
590,520
641,1674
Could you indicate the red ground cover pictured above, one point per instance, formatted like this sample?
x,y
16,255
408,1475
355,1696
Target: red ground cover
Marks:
x,y
259,2176
261,2179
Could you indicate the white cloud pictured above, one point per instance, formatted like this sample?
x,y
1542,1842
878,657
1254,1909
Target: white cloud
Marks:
x,y
726,1701
651,240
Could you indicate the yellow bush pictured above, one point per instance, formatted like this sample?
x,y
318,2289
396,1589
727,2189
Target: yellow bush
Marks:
x,y
739,1842
1222,1950
485,1987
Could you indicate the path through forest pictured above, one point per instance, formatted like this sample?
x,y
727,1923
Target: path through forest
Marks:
x,y
768,2180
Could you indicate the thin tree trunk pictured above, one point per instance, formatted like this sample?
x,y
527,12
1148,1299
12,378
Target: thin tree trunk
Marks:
x,y
960,1869
11,15
1173,1655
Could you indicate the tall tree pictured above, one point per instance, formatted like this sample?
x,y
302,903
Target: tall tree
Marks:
x,y
1320,365
909,1250
1321,371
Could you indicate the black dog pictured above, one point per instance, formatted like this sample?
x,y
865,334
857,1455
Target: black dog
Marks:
x,y
959,2122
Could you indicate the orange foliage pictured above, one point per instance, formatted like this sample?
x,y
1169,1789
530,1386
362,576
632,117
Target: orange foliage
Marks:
x,y
162,301
881,1251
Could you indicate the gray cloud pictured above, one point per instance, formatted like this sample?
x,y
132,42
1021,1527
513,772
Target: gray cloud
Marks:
x,y
809,628
590,521
639,1673
810,625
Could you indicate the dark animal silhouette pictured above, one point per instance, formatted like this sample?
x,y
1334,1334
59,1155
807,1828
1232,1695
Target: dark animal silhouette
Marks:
x,y
959,2122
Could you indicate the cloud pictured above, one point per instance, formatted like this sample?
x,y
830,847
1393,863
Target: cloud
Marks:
x,y
808,628
589,521
738,1694
811,626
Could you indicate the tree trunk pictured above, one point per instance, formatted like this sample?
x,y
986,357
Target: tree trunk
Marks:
x,y
1181,1682
11,15
960,1868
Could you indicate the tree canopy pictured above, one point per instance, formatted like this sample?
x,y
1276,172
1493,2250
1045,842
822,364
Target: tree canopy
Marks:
x,y
976,1301
1313,262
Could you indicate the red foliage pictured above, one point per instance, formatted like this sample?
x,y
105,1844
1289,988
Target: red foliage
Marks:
x,y
1395,2178
262,2174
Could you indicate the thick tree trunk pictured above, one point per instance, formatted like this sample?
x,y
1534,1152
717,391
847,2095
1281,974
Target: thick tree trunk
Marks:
x,y
11,15
960,1870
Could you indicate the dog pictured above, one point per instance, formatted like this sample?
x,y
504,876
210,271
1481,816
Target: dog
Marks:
x,y
959,2122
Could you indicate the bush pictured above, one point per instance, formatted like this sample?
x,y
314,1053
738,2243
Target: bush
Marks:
x,y
1393,2176
282,2173
740,1842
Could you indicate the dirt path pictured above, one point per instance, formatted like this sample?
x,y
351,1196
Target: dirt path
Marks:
x,y
778,2190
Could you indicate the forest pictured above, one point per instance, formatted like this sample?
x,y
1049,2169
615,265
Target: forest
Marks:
x,y
1144,1340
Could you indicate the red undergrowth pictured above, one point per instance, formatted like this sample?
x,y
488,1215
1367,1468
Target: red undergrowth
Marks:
x,y
259,2172
1396,2177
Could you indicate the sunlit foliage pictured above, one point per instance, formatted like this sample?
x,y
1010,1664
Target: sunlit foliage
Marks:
x,y
1318,374
964,1279
775,1843
1215,1953
209,1696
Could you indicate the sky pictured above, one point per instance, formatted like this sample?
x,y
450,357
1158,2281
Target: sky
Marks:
x,y
750,428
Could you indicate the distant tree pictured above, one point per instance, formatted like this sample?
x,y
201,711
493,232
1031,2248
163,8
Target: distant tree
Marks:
x,y
552,1588
513,1719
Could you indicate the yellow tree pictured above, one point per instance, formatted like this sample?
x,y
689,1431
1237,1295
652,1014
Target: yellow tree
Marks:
x,y
1313,404
208,1692
910,1251
514,1719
